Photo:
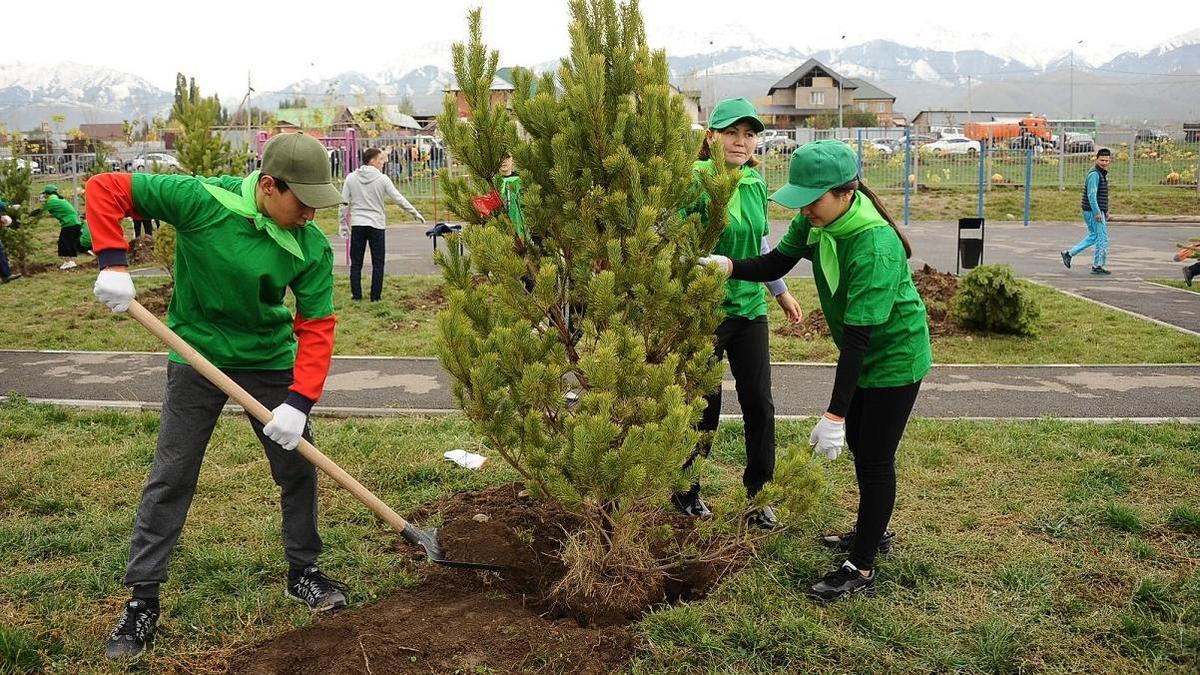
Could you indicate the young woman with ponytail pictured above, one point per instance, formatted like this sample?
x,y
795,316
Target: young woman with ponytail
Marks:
x,y
876,318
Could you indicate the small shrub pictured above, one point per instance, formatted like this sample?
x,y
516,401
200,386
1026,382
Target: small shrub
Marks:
x,y
164,248
990,298
1122,517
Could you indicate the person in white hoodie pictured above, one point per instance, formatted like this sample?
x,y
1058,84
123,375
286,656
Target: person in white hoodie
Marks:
x,y
363,220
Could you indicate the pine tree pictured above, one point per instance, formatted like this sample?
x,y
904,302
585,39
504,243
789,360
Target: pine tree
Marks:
x,y
199,151
581,348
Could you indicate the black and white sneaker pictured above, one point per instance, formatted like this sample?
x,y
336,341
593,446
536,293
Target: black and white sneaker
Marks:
x,y
845,580
134,631
762,518
842,543
316,590
1066,258
688,502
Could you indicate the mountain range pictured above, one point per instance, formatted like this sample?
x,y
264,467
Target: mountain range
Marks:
x,y
1155,86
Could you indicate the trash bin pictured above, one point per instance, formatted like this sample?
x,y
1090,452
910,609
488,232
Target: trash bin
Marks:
x,y
970,249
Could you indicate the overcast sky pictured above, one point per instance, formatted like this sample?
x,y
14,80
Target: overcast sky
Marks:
x,y
281,42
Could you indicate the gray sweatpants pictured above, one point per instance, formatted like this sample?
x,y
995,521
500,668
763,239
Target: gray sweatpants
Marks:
x,y
190,410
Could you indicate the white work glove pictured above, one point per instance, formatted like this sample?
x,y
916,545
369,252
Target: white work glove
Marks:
x,y
5,221
828,437
114,289
344,231
722,263
285,426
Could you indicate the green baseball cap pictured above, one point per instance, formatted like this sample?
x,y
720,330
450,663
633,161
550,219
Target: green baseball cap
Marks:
x,y
301,161
50,189
733,110
816,168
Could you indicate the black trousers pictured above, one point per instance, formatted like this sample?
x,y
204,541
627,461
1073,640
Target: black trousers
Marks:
x,y
68,241
746,343
140,225
360,236
874,425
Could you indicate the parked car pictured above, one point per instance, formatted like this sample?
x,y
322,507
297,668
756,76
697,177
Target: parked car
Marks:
x,y
776,140
1150,136
31,164
952,146
158,162
1075,142
869,144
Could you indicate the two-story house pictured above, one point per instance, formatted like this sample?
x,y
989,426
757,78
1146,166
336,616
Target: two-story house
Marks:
x,y
815,89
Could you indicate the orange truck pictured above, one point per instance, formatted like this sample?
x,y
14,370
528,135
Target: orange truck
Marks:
x,y
1036,127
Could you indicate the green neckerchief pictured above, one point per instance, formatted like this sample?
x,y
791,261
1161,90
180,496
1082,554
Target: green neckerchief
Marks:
x,y
245,206
748,177
861,215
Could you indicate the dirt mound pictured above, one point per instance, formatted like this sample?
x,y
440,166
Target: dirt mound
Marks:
x,y
462,620
141,250
157,299
434,299
936,288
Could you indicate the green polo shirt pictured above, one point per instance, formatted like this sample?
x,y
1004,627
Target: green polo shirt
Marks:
x,y
876,290
61,209
741,238
510,193
230,277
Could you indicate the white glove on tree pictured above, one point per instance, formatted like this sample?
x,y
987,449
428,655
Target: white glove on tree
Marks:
x,y
828,437
285,426
115,289
721,262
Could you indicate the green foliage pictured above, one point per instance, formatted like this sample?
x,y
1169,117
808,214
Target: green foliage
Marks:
x,y
100,163
164,248
15,189
851,118
990,298
581,348
200,152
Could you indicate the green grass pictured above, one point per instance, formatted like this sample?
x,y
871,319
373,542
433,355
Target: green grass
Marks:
x,y
56,310
1178,283
977,583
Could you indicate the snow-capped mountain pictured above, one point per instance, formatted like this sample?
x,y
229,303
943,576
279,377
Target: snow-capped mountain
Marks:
x,y
950,70
30,93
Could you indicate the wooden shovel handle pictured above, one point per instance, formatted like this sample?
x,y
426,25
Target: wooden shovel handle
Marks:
x,y
260,413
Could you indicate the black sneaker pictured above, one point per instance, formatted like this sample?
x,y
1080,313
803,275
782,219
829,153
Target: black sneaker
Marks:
x,y
1066,256
845,580
842,543
763,518
14,276
1188,275
134,631
1100,271
316,590
688,502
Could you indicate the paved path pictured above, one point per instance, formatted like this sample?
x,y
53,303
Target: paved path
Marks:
x,y
369,385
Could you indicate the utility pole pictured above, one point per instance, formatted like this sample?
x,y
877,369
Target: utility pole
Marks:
x,y
968,98
1071,103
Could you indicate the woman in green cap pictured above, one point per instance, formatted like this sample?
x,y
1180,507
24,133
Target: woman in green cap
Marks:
x,y
876,318
743,335
70,227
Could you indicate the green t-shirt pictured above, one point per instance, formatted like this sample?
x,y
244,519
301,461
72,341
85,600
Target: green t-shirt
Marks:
x,y
510,192
230,277
742,238
63,212
876,290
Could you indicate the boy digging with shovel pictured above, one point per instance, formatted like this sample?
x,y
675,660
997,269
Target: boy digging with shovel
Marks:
x,y
241,243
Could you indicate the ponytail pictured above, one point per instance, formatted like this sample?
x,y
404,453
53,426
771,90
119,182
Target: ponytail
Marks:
x,y
859,185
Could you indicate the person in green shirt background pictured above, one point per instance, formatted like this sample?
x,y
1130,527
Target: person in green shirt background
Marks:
x,y
510,193
240,245
70,228
877,320
744,335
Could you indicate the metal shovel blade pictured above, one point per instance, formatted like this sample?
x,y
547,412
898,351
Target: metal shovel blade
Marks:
x,y
427,539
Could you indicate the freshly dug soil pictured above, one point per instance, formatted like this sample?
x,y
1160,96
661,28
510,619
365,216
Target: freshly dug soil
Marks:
x,y
461,620
141,250
434,299
157,299
936,288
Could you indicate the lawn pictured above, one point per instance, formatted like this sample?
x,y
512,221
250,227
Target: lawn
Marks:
x,y
1044,546
56,310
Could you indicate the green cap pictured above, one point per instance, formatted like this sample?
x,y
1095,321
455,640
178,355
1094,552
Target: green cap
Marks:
x,y
301,161
816,168
733,110
50,189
